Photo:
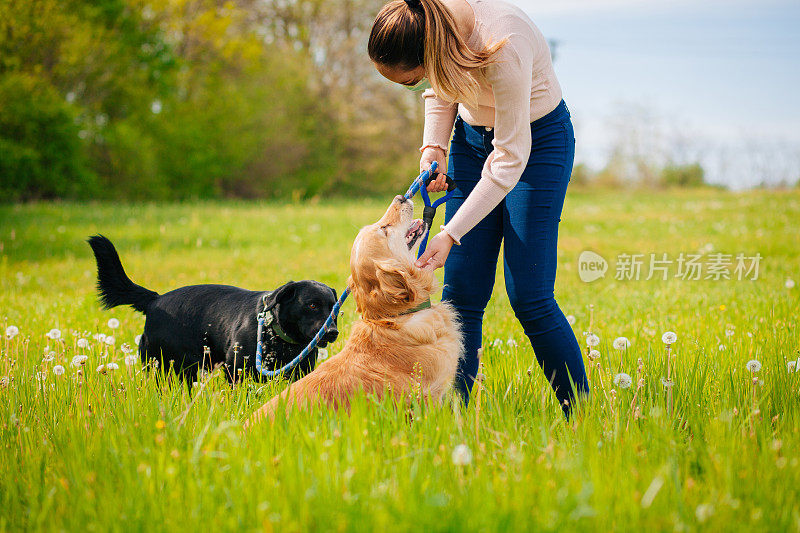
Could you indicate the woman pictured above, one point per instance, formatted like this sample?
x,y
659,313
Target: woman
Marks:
x,y
489,79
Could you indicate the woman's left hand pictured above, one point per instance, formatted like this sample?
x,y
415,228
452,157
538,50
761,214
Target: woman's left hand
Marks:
x,y
437,251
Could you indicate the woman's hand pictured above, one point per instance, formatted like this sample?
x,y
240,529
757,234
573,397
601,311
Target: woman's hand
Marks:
x,y
437,251
429,155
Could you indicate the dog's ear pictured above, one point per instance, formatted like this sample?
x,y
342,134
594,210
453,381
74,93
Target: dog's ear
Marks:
x,y
395,283
335,295
281,293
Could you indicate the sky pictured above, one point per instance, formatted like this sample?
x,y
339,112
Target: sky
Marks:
x,y
722,78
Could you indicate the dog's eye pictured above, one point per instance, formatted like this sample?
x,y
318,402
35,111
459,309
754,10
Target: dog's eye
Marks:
x,y
312,306
385,231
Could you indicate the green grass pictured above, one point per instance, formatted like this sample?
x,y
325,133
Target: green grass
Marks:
x,y
119,451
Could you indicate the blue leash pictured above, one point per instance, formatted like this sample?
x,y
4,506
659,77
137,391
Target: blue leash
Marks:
x,y
429,212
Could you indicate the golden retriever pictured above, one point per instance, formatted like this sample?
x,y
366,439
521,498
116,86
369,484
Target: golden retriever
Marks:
x,y
389,349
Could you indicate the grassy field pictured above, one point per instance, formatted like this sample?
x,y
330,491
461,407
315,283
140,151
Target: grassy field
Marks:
x,y
717,448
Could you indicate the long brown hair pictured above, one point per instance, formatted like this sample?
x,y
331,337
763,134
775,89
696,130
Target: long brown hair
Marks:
x,y
413,33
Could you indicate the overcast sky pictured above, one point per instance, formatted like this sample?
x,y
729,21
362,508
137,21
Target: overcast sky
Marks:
x,y
724,74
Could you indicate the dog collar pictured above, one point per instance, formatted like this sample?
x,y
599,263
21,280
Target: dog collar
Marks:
x,y
271,320
424,305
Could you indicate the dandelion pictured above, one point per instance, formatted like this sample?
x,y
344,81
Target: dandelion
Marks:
x,y
789,283
668,383
83,343
113,323
730,330
622,380
721,347
594,354
791,366
11,332
49,356
669,338
101,369
703,512
621,343
54,334
99,337
322,354
4,381
79,360
753,365
58,370
592,340
112,366
130,360
126,348
110,340
511,343
137,340
461,455
571,320
497,343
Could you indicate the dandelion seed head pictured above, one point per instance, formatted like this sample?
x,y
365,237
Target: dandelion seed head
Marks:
x,y
99,337
83,343
130,360
110,340
592,340
461,455
11,332
79,360
791,366
137,340
667,382
112,366
789,283
703,512
126,348
753,365
54,334
623,380
571,320
49,356
511,343
113,323
669,337
621,343
101,369
721,347
594,354
58,370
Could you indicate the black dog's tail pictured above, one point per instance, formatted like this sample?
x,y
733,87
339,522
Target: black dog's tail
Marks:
x,y
114,286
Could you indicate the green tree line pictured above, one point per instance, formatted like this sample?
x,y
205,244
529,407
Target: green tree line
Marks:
x,y
175,99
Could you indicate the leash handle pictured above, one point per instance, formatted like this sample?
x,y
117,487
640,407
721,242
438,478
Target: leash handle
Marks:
x,y
451,184
419,180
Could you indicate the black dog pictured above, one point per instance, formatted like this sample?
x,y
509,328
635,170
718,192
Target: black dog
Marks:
x,y
200,326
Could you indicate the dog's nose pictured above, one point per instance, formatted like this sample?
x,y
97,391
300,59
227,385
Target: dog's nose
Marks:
x,y
331,335
400,199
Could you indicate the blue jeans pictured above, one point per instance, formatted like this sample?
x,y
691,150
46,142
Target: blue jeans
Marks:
x,y
527,221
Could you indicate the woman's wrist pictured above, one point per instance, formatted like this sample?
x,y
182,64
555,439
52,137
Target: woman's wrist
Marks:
x,y
453,240
433,147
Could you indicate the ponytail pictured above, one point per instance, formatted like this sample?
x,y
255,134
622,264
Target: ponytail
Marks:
x,y
414,33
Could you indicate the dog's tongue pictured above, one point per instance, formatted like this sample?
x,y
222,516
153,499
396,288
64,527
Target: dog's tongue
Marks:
x,y
415,225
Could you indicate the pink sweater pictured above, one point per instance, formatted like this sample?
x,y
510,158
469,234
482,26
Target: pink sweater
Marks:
x,y
523,88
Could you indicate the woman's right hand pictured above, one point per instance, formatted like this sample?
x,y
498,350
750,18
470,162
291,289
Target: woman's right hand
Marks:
x,y
429,155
